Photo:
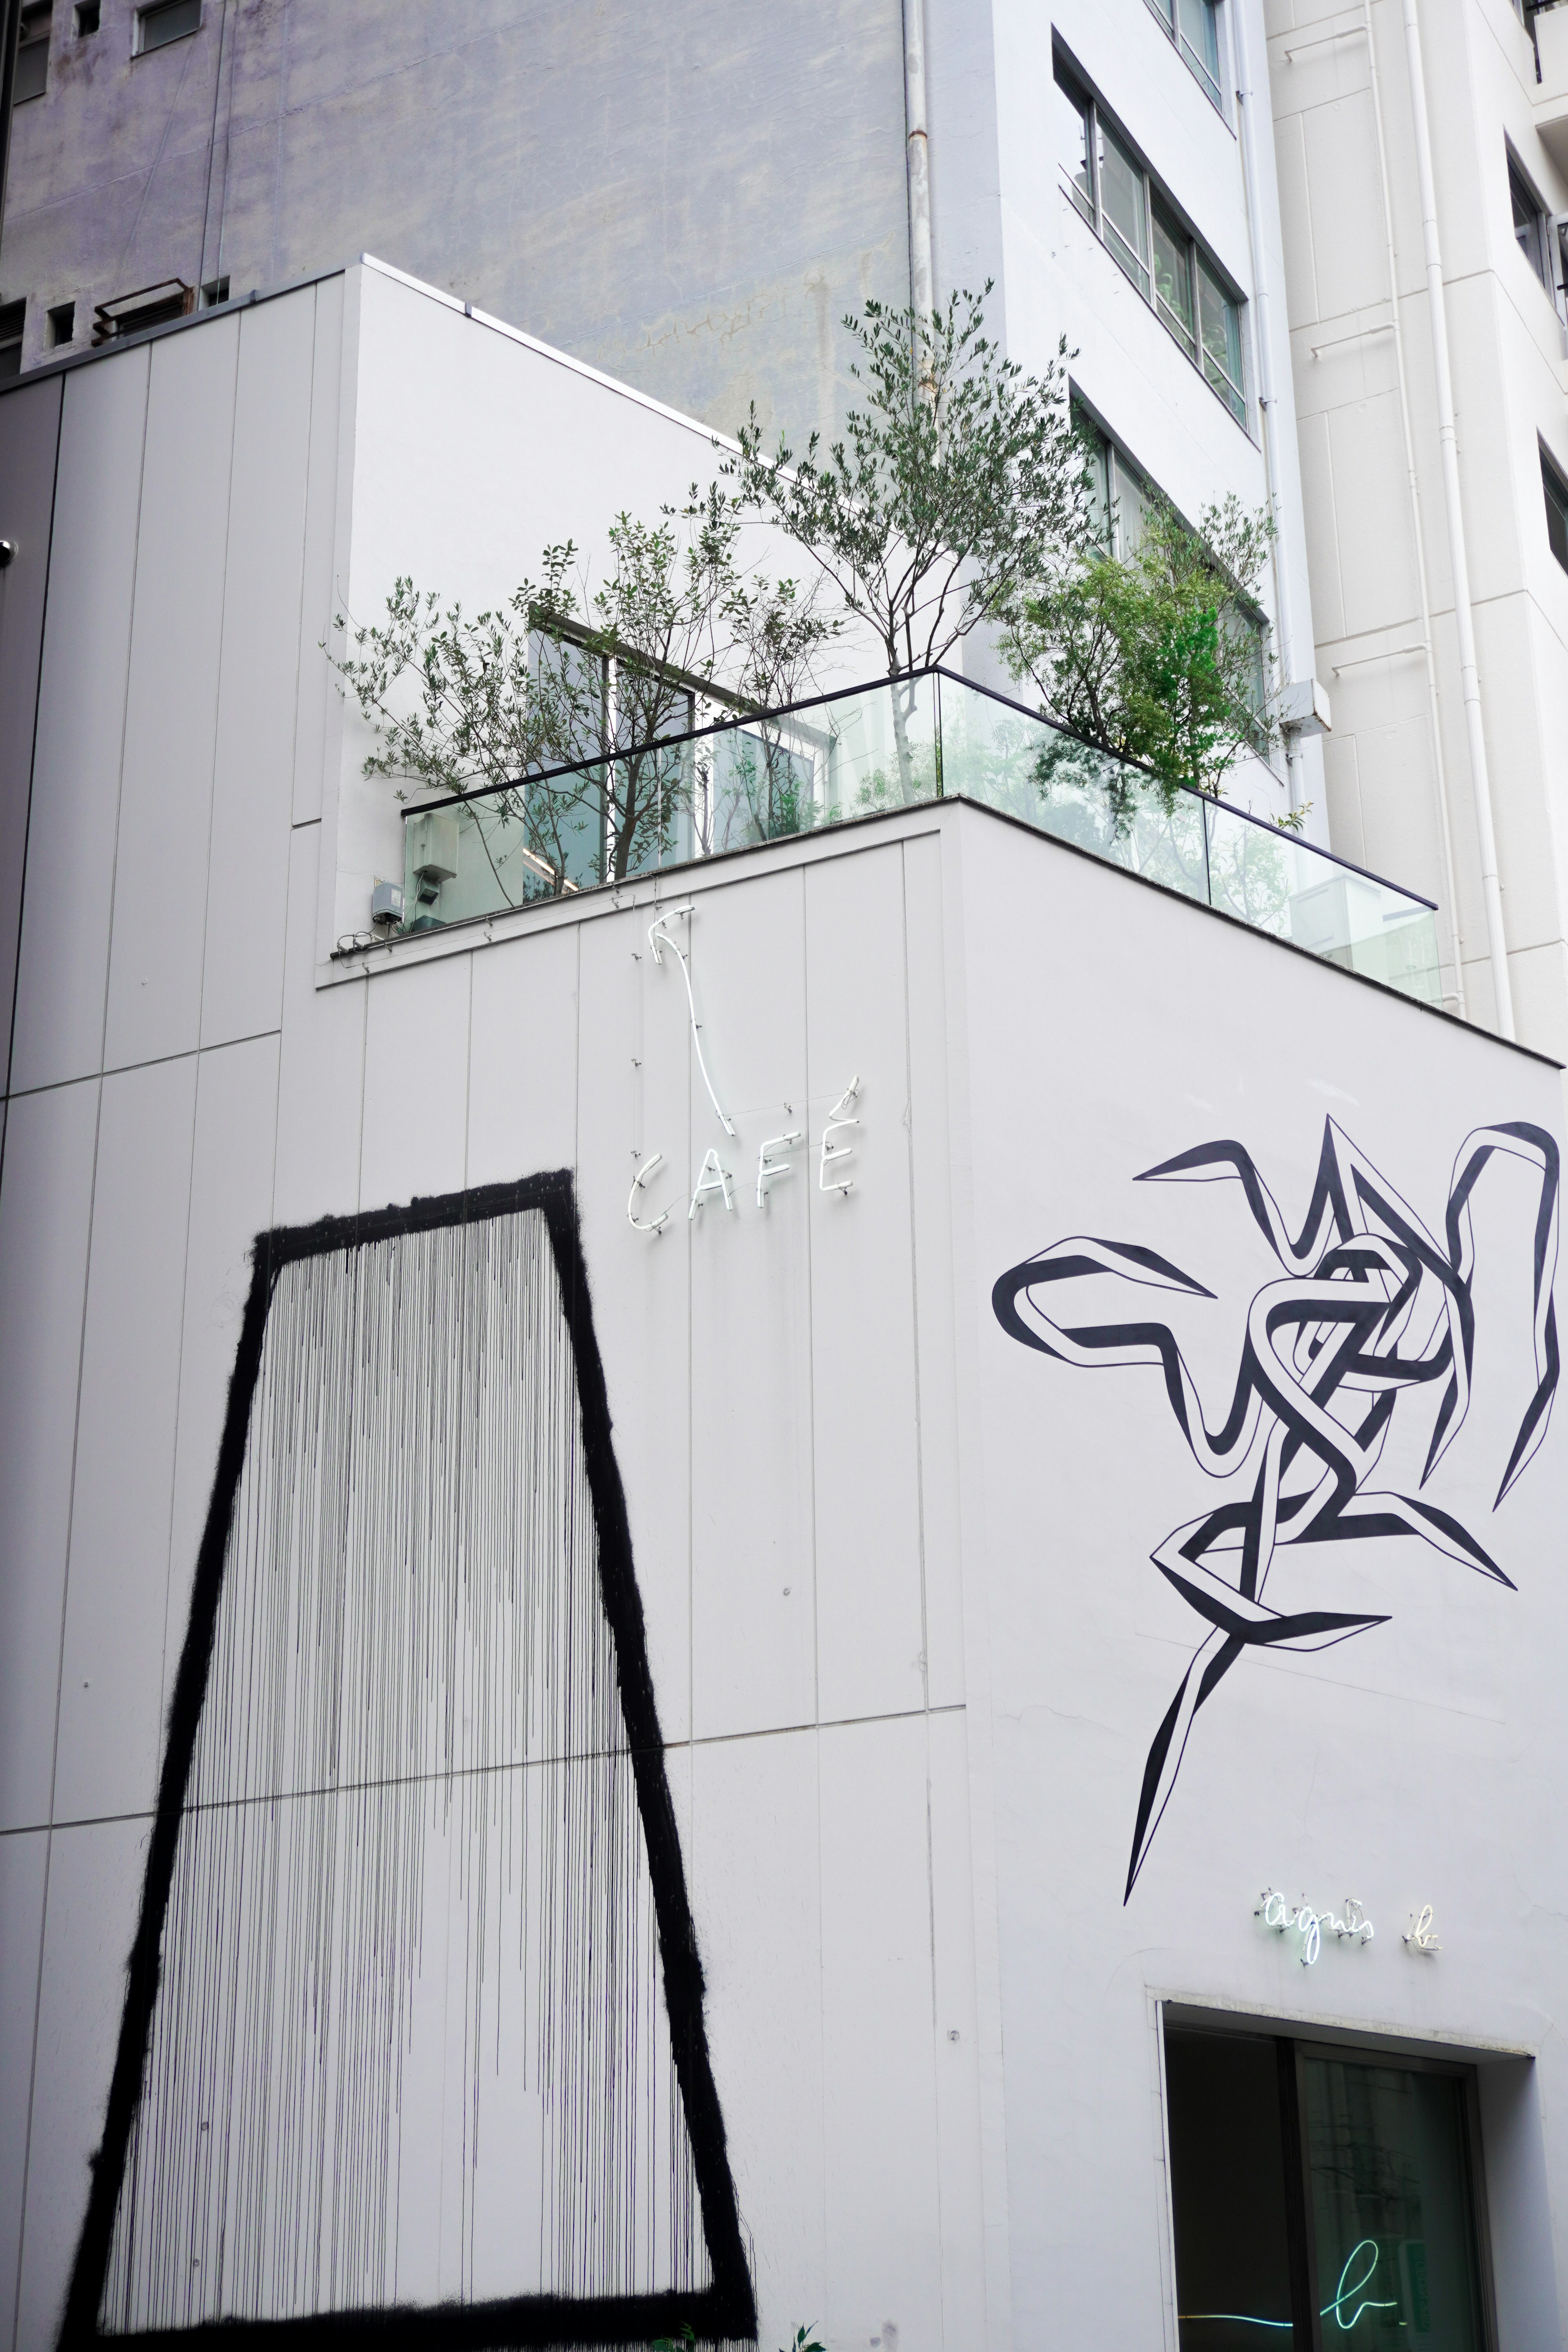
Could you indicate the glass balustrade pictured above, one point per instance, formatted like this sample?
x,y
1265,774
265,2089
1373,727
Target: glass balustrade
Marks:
x,y
743,782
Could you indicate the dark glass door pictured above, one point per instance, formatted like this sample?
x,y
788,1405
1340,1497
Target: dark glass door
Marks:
x,y
1322,2200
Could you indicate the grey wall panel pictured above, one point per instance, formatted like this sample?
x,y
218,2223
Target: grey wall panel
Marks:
x,y
45,1208
171,704
23,1866
248,873
30,439
95,1884
81,725
111,1701
316,691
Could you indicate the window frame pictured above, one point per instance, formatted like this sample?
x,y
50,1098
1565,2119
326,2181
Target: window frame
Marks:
x,y
1293,2049
1102,130
1167,15
149,11
1554,494
38,45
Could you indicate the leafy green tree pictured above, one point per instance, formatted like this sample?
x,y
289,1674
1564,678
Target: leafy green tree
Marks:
x,y
958,484
1157,656
590,680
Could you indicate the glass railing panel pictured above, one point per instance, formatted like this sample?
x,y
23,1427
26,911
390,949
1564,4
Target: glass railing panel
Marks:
x,y
1010,760
887,746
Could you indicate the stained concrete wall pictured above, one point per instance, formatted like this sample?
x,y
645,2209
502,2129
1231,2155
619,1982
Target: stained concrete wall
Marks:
x,y
690,198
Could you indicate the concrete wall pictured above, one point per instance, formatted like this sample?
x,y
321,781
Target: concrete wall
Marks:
x,y
692,202
908,1643
1506,346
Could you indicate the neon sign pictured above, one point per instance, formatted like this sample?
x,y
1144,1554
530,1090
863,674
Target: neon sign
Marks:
x,y
714,1179
1276,1912
1344,2295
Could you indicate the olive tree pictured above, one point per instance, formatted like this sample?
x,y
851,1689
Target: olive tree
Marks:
x,y
959,484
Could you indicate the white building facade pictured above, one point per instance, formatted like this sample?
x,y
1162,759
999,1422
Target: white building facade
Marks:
x,y
601,1721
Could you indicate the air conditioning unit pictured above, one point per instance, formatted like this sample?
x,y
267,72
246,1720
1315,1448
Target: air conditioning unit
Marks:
x,y
432,853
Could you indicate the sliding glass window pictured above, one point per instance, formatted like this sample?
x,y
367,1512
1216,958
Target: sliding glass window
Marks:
x,y
1122,202
1321,2196
1194,27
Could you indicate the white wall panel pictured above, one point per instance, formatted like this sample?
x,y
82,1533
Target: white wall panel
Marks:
x,y
634,1088
231,1202
317,693
247,871
160,870
46,1207
23,1866
415,1082
321,1079
756,1865
753,1547
962,2233
870,1635
111,1728
881,2197
523,1077
95,1888
81,724
930,1149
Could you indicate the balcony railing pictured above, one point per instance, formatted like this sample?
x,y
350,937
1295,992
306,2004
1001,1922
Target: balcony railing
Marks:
x,y
894,745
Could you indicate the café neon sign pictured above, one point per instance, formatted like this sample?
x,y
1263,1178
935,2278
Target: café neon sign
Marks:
x,y
1311,1926
714,1180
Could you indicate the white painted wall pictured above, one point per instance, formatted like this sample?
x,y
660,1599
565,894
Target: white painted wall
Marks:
x,y
1507,354
906,1640
999,213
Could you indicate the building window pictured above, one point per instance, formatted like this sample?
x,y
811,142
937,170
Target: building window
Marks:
x,y
1193,26
87,15
215,291
1124,205
1319,2192
1556,490
33,51
13,321
1532,225
61,325
149,306
166,21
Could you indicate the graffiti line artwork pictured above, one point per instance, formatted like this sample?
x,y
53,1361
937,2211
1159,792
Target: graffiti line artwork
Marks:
x,y
1371,1309
412,2050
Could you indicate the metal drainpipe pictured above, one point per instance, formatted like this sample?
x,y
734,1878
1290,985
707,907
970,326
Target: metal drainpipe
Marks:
x,y
916,146
10,34
1244,101
1440,774
1464,617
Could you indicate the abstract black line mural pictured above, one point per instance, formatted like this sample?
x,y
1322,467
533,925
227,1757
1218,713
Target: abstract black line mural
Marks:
x,y
1371,1310
413,2043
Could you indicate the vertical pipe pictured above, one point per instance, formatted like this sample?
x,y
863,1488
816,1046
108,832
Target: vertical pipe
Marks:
x,y
1440,778
916,146
1243,102
1464,617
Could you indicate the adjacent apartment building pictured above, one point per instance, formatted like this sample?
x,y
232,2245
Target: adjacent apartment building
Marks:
x,y
602,1730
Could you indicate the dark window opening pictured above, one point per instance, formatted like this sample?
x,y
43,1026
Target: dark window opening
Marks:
x,y
168,20
12,320
33,51
149,306
215,291
1556,491
1127,209
61,325
1531,226
87,16
1319,2196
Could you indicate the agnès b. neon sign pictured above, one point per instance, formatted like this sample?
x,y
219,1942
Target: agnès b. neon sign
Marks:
x,y
1311,1926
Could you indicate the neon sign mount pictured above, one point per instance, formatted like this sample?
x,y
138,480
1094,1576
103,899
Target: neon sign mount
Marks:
x,y
1275,1912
